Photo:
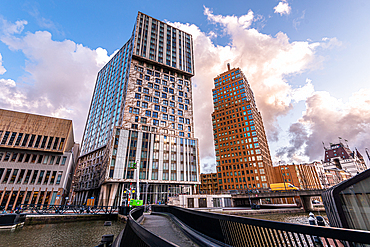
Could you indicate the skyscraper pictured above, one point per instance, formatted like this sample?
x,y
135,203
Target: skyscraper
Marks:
x,y
141,114
242,152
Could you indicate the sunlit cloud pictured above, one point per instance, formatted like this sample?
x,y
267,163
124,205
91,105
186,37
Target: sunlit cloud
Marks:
x,y
283,8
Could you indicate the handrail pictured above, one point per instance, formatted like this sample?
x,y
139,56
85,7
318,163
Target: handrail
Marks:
x,y
241,231
64,209
136,235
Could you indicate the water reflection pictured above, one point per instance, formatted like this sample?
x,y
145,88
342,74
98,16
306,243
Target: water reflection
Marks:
x,y
299,218
83,233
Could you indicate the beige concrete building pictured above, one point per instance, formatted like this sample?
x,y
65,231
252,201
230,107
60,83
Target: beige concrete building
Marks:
x,y
37,157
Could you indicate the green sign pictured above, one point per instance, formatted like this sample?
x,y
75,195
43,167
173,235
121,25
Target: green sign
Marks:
x,y
136,202
132,165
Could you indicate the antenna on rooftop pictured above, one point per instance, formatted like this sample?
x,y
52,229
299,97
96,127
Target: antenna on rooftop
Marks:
x,y
228,66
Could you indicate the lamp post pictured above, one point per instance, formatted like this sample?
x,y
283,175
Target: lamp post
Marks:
x,y
137,180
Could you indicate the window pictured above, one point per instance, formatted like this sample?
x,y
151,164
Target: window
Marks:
x,y
181,106
144,105
18,139
137,104
136,111
181,119
165,89
64,158
155,114
147,77
59,178
187,121
32,139
150,85
146,90
5,138
156,108
180,127
26,136
147,98
139,82
171,90
165,117
164,95
179,99
156,93
12,137
155,100
165,102
164,109
137,96
155,122
148,113
172,104
172,118
143,120
180,112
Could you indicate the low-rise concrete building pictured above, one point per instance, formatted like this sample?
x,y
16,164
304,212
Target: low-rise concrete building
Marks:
x,y
37,159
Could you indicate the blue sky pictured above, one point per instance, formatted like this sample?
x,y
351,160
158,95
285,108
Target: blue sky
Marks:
x,y
307,62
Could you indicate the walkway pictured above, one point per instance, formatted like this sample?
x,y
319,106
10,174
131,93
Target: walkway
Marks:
x,y
162,226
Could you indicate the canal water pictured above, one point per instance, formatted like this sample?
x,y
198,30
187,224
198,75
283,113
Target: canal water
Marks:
x,y
296,218
88,233
81,233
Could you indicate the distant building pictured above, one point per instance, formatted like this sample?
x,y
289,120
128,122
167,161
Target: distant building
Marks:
x,y
37,159
302,176
209,183
140,122
341,157
242,152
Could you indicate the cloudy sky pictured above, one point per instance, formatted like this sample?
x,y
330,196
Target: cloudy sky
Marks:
x,y
307,63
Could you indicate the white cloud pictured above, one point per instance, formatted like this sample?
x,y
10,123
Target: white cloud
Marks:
x,y
9,28
60,77
264,59
282,8
2,69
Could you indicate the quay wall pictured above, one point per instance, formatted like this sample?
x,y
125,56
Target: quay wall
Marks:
x,y
51,219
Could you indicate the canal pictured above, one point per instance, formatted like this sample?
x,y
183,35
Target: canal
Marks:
x,y
88,233
81,233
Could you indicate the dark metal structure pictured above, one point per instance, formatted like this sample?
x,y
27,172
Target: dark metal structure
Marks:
x,y
136,235
65,209
225,230
347,203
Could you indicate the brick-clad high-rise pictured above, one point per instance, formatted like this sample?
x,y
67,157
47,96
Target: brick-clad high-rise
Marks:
x,y
242,152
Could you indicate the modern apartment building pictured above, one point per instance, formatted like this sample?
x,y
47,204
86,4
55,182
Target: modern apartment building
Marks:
x,y
37,159
209,183
340,156
242,152
140,122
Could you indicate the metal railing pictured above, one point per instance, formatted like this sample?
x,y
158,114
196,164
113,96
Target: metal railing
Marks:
x,y
241,231
136,235
64,209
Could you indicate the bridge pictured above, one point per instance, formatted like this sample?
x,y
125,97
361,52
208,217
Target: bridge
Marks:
x,y
210,229
245,198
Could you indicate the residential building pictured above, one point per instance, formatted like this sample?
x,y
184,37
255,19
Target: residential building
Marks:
x,y
242,152
340,156
140,122
37,159
209,183
302,176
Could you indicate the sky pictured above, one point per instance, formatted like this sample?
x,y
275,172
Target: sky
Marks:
x,y
306,61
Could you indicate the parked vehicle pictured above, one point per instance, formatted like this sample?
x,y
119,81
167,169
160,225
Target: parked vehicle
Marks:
x,y
282,186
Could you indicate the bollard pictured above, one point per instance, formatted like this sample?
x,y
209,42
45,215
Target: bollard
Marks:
x,y
311,219
320,221
312,222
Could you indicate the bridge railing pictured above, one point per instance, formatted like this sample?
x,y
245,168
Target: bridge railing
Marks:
x,y
241,231
136,235
64,209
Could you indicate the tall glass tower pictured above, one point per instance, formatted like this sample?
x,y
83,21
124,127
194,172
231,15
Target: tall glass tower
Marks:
x,y
141,114
242,152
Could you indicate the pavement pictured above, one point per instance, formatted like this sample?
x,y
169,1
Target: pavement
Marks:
x,y
163,227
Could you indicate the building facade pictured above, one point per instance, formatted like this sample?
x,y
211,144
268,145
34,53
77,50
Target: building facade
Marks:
x,y
302,176
242,152
37,159
140,122
341,157
209,183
